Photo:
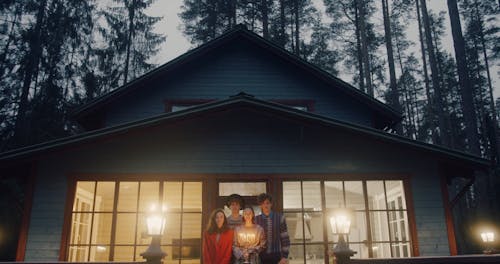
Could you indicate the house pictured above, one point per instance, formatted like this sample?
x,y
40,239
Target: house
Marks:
x,y
235,115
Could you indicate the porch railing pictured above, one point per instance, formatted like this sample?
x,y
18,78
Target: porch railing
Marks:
x,y
463,259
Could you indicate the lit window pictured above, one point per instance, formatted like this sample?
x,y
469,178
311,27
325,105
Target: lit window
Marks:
x,y
304,216
303,105
182,104
105,230
379,228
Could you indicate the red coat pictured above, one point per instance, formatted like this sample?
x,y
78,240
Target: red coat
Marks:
x,y
217,252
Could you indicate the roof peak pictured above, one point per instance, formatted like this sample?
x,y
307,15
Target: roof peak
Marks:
x,y
242,95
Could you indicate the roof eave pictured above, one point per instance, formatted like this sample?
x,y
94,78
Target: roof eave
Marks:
x,y
458,156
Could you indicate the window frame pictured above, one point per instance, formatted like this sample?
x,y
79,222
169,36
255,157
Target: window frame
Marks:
x,y
64,252
405,179
210,182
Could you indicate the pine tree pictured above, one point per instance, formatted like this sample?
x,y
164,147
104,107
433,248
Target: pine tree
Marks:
x,y
130,39
394,93
319,51
360,42
480,35
465,84
438,104
409,83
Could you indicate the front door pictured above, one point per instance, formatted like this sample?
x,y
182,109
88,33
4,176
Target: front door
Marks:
x,y
249,190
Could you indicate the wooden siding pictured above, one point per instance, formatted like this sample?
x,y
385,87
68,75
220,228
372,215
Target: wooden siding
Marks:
x,y
235,142
240,68
46,223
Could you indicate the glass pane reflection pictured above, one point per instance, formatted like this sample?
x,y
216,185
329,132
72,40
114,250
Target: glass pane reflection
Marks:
x,y
292,198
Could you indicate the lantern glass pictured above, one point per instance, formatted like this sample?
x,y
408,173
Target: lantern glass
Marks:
x,y
340,223
155,221
487,237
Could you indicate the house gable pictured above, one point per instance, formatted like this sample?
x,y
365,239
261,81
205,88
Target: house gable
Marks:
x,y
239,61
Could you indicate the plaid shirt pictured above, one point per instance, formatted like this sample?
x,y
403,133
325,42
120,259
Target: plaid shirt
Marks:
x,y
274,225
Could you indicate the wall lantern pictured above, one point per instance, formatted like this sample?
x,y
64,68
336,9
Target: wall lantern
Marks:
x,y
155,222
340,222
488,238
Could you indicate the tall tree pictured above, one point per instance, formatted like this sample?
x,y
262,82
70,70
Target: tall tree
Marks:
x,y
361,7
130,38
394,98
319,51
360,43
32,58
469,111
481,28
424,65
437,98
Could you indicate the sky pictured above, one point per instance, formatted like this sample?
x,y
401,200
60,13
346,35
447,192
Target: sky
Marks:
x,y
176,43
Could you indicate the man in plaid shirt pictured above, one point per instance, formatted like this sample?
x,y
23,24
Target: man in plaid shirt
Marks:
x,y
274,225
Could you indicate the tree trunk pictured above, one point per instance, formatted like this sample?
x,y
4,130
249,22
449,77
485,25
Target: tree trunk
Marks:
x,y
390,58
411,111
265,19
463,77
131,15
494,124
35,52
297,27
424,59
233,13
282,24
358,48
364,47
438,99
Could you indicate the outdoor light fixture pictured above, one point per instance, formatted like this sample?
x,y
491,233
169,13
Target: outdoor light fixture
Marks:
x,y
340,222
155,222
488,238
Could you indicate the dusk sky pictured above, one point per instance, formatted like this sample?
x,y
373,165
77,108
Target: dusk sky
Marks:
x,y
176,43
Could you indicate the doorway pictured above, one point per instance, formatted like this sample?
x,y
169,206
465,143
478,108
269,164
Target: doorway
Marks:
x,y
249,190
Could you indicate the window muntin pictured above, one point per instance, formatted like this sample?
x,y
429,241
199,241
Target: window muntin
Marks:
x,y
302,207
379,206
98,210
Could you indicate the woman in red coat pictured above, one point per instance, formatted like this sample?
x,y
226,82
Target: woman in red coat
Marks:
x,y
217,240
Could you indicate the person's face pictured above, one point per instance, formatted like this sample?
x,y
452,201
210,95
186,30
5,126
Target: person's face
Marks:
x,y
235,207
266,206
248,215
219,219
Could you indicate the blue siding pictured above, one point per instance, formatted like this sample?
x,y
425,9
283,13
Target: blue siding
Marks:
x,y
241,67
46,215
236,142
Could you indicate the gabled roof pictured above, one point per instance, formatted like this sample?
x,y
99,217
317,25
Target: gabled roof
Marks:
x,y
385,115
244,100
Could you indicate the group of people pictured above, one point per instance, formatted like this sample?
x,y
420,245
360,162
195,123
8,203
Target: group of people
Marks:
x,y
246,238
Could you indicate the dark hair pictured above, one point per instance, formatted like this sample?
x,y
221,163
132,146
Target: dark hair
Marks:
x,y
264,196
253,214
235,198
212,225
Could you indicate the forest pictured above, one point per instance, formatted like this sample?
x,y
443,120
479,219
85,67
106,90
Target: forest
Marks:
x,y
56,55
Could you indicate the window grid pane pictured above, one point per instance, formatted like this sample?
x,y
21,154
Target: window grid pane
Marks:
x,y
381,202
98,209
